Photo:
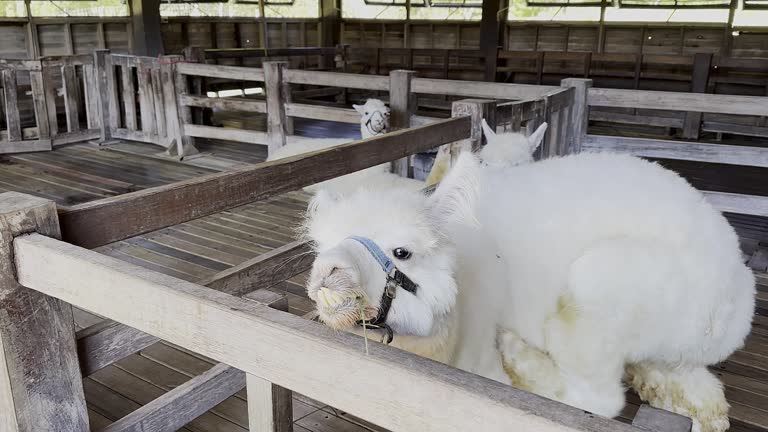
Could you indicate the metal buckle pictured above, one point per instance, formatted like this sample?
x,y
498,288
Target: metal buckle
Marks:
x,y
390,288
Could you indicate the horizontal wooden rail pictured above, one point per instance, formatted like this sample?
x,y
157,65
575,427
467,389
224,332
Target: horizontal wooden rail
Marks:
x,y
477,89
159,207
225,104
291,352
219,71
680,150
105,343
342,115
227,134
219,53
698,102
336,79
738,203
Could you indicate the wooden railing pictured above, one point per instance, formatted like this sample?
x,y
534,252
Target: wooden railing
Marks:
x,y
78,90
269,351
686,150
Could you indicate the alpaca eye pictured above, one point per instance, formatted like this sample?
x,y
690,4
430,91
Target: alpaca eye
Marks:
x,y
366,113
401,253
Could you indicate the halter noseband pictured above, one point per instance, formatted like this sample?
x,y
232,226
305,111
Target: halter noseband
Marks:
x,y
371,129
395,278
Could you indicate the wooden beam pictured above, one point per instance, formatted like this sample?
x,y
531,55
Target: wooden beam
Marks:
x,y
269,406
219,71
71,97
491,34
265,270
41,108
656,420
306,357
40,384
580,112
402,105
225,104
675,101
147,34
279,126
183,404
681,150
159,207
474,89
13,122
738,203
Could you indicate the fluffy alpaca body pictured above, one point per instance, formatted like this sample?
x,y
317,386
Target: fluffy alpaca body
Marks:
x,y
557,277
374,121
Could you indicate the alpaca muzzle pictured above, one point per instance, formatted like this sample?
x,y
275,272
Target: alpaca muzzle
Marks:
x,y
394,279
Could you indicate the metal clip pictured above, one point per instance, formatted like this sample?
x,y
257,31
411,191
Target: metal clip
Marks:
x,y
390,289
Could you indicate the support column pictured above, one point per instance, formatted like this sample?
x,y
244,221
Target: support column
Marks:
x,y
41,388
579,112
402,106
147,33
491,35
279,125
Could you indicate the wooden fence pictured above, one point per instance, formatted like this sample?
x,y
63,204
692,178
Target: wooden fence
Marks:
x,y
72,78
686,150
268,351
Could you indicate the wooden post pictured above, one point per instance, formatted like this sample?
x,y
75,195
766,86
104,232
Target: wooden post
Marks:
x,y
491,35
654,419
13,121
269,406
579,112
201,116
177,115
702,64
147,37
402,106
278,95
40,384
478,109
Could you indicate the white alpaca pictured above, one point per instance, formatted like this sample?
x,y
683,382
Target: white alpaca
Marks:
x,y
374,121
557,277
501,150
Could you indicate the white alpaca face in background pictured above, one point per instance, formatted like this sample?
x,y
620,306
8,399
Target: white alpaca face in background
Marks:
x,y
394,219
374,117
510,149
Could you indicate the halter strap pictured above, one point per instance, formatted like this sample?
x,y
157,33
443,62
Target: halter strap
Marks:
x,y
395,279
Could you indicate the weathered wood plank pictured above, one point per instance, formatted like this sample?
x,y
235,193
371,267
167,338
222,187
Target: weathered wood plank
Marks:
x,y
286,350
227,134
671,122
7,147
732,128
40,385
702,64
49,87
738,203
13,122
336,79
680,150
183,404
219,71
342,115
129,97
155,208
656,420
100,347
146,100
71,97
710,103
225,104
269,406
402,106
476,89
156,87
579,113
278,95
41,109
73,137
264,271
91,90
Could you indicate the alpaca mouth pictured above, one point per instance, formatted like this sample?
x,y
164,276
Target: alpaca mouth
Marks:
x,y
342,309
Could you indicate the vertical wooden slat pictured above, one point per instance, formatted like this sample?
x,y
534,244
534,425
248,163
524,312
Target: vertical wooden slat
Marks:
x,y
71,90
41,109
40,384
129,96
106,94
402,106
50,99
157,96
702,64
91,97
146,100
101,40
198,86
580,112
277,97
11,105
174,87
68,44
269,406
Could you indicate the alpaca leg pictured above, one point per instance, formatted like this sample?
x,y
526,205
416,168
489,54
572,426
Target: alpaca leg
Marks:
x,y
529,368
590,369
693,392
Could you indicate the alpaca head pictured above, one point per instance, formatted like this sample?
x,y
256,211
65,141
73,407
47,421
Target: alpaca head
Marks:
x,y
374,118
347,282
510,149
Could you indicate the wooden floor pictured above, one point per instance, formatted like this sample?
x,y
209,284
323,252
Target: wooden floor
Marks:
x,y
200,248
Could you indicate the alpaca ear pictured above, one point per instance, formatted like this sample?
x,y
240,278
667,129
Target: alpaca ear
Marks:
x,y
537,137
322,200
454,199
359,108
488,131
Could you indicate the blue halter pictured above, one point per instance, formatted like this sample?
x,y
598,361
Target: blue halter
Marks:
x,y
395,279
